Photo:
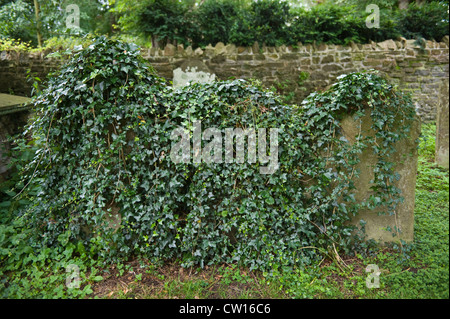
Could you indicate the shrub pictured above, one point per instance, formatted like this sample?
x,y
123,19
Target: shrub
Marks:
x,y
215,19
106,177
270,21
242,32
168,21
15,23
429,21
326,23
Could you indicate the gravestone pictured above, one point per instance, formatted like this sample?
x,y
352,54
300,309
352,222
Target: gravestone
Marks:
x,y
13,116
442,127
406,165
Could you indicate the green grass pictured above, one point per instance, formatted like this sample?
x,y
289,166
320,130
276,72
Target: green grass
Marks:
x,y
414,271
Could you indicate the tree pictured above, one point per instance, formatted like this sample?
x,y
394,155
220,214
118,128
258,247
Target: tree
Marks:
x,y
38,25
38,20
218,13
168,21
403,4
17,21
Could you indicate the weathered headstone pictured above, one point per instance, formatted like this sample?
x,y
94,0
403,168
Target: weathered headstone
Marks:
x,y
442,127
13,115
406,165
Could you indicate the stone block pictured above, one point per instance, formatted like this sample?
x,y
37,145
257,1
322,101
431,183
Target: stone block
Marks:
x,y
220,48
332,68
242,50
406,165
255,47
198,52
289,56
442,127
248,57
169,50
327,59
230,49
188,51
387,45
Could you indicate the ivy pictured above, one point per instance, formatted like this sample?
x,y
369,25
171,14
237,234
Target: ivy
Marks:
x,y
105,177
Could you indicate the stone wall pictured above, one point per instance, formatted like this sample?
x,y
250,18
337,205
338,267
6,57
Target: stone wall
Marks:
x,y
303,69
418,68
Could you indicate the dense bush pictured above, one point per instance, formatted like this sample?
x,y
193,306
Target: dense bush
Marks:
x,y
269,22
103,175
275,22
429,21
15,22
168,21
18,19
216,18
329,24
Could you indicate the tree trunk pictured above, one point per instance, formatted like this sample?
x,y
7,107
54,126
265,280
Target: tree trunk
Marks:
x,y
420,2
38,25
403,4
155,42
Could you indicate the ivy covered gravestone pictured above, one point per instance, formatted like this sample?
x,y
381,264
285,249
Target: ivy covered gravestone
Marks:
x,y
104,175
381,224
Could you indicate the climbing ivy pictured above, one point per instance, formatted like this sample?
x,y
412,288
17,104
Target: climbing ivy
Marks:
x,y
105,177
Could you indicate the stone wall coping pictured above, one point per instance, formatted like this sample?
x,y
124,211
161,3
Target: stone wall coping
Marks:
x,y
170,50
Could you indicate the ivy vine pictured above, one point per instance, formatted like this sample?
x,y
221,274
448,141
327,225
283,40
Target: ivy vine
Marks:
x,y
102,175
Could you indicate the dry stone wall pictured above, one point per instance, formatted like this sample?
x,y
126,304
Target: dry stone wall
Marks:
x,y
418,68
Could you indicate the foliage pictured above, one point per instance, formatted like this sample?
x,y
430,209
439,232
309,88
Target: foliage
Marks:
x,y
168,21
362,4
18,19
327,23
274,23
269,22
430,176
242,32
14,45
424,275
105,177
127,15
221,14
28,270
429,21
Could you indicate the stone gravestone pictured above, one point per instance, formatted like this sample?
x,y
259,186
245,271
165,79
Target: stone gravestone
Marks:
x,y
192,71
13,116
406,165
442,128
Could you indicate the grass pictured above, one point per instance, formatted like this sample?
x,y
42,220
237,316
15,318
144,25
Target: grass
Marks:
x,y
414,271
